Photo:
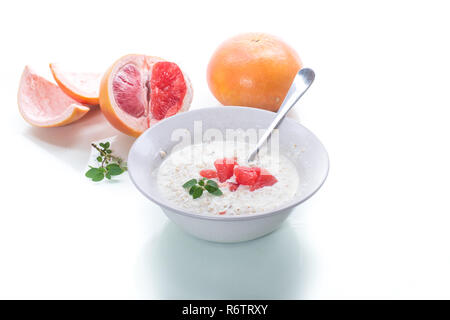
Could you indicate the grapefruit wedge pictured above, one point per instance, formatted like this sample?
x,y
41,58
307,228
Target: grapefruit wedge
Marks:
x,y
82,87
43,104
138,91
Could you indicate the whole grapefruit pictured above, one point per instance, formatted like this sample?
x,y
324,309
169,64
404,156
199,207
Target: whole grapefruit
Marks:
x,y
253,70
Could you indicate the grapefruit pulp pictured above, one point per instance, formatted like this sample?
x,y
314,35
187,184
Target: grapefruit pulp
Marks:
x,y
138,91
246,176
265,179
43,104
208,174
224,168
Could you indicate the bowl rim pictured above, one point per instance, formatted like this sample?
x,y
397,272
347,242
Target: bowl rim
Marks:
x,y
234,217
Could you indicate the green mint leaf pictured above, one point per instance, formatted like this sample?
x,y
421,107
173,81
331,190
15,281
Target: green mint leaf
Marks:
x,y
106,145
192,189
197,192
217,192
102,144
93,172
109,151
201,182
211,189
98,178
108,175
99,159
190,183
114,169
212,183
96,174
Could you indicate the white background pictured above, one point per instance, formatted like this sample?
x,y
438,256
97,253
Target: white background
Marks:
x,y
379,228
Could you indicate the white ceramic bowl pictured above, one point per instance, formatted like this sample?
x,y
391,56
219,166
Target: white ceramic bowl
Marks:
x,y
311,162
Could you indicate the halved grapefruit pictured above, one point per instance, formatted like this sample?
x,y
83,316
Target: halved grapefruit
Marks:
x,y
138,91
82,87
43,104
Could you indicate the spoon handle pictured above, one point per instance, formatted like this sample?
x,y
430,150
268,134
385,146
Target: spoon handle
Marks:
x,y
302,81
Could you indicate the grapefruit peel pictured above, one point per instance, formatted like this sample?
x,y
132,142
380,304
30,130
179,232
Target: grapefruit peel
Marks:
x,y
82,87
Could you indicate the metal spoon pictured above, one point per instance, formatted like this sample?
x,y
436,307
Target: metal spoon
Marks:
x,y
302,81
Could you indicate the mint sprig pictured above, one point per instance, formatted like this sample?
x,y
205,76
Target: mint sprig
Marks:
x,y
196,187
109,165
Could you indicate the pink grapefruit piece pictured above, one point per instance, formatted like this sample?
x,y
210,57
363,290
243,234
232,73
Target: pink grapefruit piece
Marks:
x,y
82,87
246,176
43,104
265,179
208,174
224,168
138,91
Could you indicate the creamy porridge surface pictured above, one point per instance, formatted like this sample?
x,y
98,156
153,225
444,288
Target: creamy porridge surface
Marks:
x,y
185,164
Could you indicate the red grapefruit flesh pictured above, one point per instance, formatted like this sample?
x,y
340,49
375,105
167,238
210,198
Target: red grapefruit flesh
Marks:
x,y
224,168
246,176
82,87
138,91
128,91
265,179
233,186
43,104
208,174
167,90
